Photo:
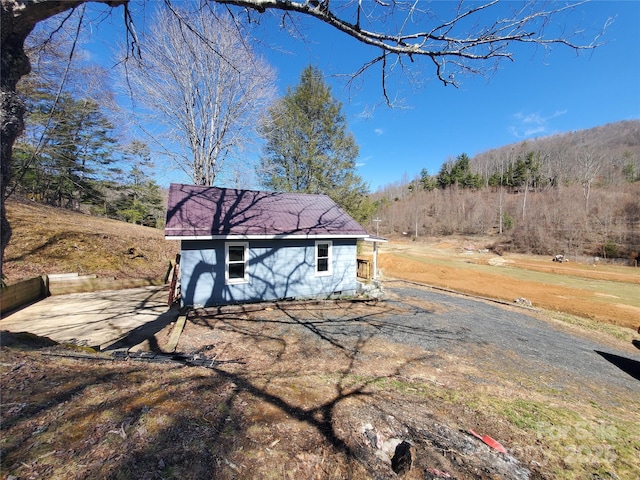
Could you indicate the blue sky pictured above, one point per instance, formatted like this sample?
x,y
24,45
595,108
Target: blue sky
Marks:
x,y
539,94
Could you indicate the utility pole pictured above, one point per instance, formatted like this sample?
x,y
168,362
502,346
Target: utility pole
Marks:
x,y
501,186
377,222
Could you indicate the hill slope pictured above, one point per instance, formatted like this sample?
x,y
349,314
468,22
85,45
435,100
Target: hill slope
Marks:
x,y
614,148
51,240
576,193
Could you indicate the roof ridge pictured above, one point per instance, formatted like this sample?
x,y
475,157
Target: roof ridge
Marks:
x,y
248,190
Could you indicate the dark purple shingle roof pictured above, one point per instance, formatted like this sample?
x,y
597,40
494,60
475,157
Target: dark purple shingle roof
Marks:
x,y
196,211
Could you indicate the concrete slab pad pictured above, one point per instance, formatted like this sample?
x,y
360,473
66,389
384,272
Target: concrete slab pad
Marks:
x,y
96,319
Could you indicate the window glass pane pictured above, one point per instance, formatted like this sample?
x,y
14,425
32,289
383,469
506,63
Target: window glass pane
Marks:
x,y
236,270
323,265
323,250
236,253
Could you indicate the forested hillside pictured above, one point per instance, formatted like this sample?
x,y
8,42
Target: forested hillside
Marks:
x,y
609,154
75,152
576,193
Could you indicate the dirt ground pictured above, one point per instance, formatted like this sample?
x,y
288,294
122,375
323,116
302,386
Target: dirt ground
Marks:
x,y
302,390
602,292
72,242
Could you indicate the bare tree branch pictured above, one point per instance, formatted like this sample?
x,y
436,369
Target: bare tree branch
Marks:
x,y
450,42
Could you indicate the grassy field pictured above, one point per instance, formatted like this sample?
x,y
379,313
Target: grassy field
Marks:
x,y
605,293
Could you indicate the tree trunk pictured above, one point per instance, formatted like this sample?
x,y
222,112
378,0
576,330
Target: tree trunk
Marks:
x,y
14,65
524,200
19,18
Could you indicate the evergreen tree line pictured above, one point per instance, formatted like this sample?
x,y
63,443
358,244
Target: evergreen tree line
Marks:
x,y
69,158
525,171
607,155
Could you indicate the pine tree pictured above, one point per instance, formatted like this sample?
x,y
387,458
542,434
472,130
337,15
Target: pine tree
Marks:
x,y
309,149
65,151
140,201
458,174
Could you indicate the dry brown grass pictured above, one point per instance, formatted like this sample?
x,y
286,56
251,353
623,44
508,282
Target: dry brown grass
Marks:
x,y
606,293
52,240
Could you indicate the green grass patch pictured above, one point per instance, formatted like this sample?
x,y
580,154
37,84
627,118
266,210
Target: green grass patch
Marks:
x,y
535,416
584,439
573,440
614,331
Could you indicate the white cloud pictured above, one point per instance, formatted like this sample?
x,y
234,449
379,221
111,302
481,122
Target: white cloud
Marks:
x,y
363,161
378,131
532,124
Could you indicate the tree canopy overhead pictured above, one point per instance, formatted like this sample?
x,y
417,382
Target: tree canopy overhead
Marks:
x,y
455,38
463,42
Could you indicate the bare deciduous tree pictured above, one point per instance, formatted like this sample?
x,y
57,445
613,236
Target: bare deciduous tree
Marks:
x,y
462,42
589,164
198,79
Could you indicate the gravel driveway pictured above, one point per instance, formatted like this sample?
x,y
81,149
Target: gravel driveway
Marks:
x,y
513,335
502,337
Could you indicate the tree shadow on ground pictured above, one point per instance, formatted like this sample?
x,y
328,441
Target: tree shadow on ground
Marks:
x,y
136,420
147,332
627,365
288,412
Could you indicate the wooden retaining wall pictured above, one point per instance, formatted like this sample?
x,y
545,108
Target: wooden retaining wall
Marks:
x,y
90,283
29,291
22,293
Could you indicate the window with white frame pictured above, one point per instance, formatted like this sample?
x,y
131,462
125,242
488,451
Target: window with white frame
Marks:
x,y
323,257
236,262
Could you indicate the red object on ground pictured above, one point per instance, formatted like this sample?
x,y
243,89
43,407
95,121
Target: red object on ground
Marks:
x,y
489,441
